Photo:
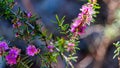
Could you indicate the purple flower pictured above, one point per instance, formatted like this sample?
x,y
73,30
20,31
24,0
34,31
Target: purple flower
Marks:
x,y
12,56
50,47
3,45
31,50
81,30
29,14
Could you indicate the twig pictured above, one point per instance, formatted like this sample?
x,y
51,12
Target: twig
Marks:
x,y
30,25
66,59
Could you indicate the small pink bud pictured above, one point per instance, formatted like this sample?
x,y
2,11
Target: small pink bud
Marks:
x,y
71,44
17,35
50,47
29,14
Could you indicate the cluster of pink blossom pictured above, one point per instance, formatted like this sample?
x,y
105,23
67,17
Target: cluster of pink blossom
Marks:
x,y
84,18
80,23
14,53
12,56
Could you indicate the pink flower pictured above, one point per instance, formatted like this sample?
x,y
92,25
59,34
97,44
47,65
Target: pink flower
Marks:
x,y
72,29
77,28
75,25
87,11
77,22
31,50
12,56
50,47
71,44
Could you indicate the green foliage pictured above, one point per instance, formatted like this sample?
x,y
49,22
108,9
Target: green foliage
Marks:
x,y
96,7
60,44
63,28
5,7
117,51
25,62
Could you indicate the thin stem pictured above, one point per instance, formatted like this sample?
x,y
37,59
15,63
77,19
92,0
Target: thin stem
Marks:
x,y
66,59
30,25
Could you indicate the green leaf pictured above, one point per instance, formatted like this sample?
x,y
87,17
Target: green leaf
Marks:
x,y
57,19
50,36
